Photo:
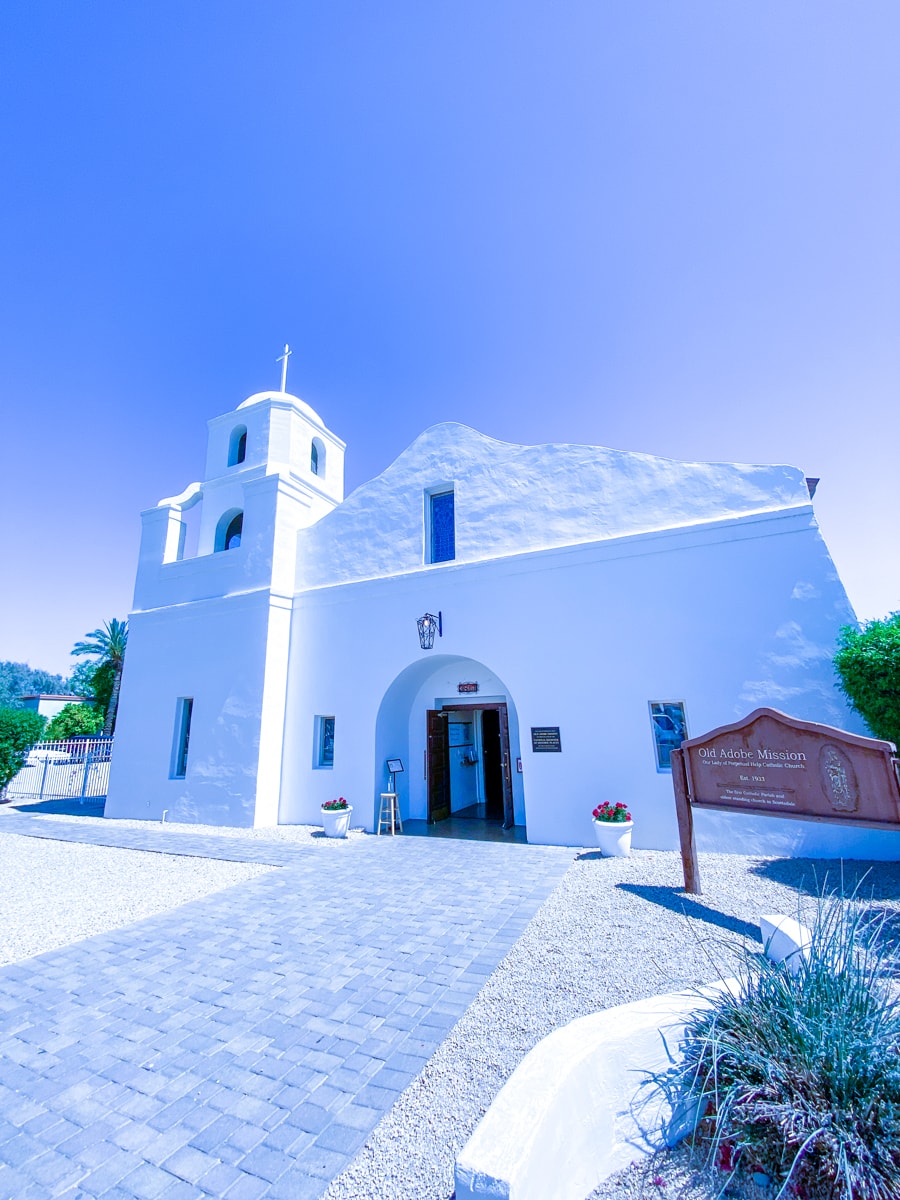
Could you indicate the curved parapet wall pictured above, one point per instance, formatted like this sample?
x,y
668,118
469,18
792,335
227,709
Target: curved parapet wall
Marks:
x,y
512,499
570,1114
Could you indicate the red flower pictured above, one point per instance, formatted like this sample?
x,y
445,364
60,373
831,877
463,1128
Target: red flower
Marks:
x,y
608,812
725,1159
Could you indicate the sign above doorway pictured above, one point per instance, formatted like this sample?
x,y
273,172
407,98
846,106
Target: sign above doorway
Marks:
x,y
463,688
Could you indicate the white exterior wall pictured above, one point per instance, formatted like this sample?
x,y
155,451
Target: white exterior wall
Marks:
x,y
210,651
583,638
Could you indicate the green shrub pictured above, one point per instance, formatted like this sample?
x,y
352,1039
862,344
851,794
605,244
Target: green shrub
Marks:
x,y
19,729
73,720
868,668
798,1076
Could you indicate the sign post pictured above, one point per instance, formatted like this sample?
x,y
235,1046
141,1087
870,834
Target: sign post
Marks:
x,y
685,825
773,765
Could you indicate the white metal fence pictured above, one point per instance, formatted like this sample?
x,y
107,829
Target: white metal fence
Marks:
x,y
75,768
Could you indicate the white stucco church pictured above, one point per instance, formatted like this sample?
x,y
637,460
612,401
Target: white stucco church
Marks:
x,y
593,607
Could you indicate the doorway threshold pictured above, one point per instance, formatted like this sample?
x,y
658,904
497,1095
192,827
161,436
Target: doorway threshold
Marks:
x,y
467,830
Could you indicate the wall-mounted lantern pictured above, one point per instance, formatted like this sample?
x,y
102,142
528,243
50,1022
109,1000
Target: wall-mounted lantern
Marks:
x,y
428,626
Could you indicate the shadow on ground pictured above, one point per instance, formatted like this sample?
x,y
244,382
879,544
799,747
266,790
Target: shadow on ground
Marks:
x,y
822,877
676,901
71,807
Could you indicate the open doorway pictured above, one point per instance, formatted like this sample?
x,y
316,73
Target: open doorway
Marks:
x,y
468,763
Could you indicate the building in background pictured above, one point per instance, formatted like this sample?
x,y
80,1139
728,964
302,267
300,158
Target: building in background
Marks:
x,y
49,706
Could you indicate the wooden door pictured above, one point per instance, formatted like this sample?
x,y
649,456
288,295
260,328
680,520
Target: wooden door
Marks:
x,y
437,766
508,815
492,764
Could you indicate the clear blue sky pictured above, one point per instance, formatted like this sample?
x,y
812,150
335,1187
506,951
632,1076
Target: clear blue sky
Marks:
x,y
659,225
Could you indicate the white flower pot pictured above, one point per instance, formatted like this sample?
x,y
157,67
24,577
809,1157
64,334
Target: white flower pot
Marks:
x,y
614,838
336,821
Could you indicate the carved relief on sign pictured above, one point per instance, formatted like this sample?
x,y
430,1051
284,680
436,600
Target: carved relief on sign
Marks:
x,y
838,779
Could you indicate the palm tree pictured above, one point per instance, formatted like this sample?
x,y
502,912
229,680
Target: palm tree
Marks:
x,y
107,647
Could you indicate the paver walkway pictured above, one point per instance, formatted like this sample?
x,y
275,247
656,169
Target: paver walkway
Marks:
x,y
244,1045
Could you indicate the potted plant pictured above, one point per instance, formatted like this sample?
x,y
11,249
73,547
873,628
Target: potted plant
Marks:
x,y
336,817
613,826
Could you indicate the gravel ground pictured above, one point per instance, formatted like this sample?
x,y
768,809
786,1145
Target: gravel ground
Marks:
x,y
615,930
56,893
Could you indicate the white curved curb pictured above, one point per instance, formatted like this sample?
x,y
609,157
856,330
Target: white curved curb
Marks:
x,y
570,1114
567,1116
785,939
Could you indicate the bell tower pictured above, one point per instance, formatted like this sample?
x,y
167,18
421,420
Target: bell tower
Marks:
x,y
272,467
209,634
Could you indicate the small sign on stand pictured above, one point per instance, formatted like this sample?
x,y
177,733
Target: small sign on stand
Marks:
x,y
773,765
395,767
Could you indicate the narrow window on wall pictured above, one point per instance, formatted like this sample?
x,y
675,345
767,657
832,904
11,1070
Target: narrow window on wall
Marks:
x,y
324,756
314,459
442,524
669,725
182,736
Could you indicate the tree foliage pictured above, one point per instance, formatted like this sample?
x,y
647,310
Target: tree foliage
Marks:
x,y
18,679
81,681
868,668
102,686
106,647
75,720
19,729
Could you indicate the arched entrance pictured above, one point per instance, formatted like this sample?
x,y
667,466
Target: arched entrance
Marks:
x,y
453,724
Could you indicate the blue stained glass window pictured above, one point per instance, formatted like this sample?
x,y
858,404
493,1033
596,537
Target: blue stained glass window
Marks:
x,y
183,737
443,528
326,741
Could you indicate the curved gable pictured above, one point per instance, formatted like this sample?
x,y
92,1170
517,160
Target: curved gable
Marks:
x,y
511,499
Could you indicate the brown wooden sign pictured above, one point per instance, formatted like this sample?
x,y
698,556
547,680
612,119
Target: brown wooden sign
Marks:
x,y
778,766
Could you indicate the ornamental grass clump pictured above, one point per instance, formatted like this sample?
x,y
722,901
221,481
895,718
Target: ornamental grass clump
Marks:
x,y
797,1076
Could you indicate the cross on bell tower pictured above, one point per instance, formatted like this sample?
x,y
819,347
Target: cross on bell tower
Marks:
x,y
283,359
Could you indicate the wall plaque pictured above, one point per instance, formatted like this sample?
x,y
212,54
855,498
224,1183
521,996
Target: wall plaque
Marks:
x,y
467,687
545,739
779,766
